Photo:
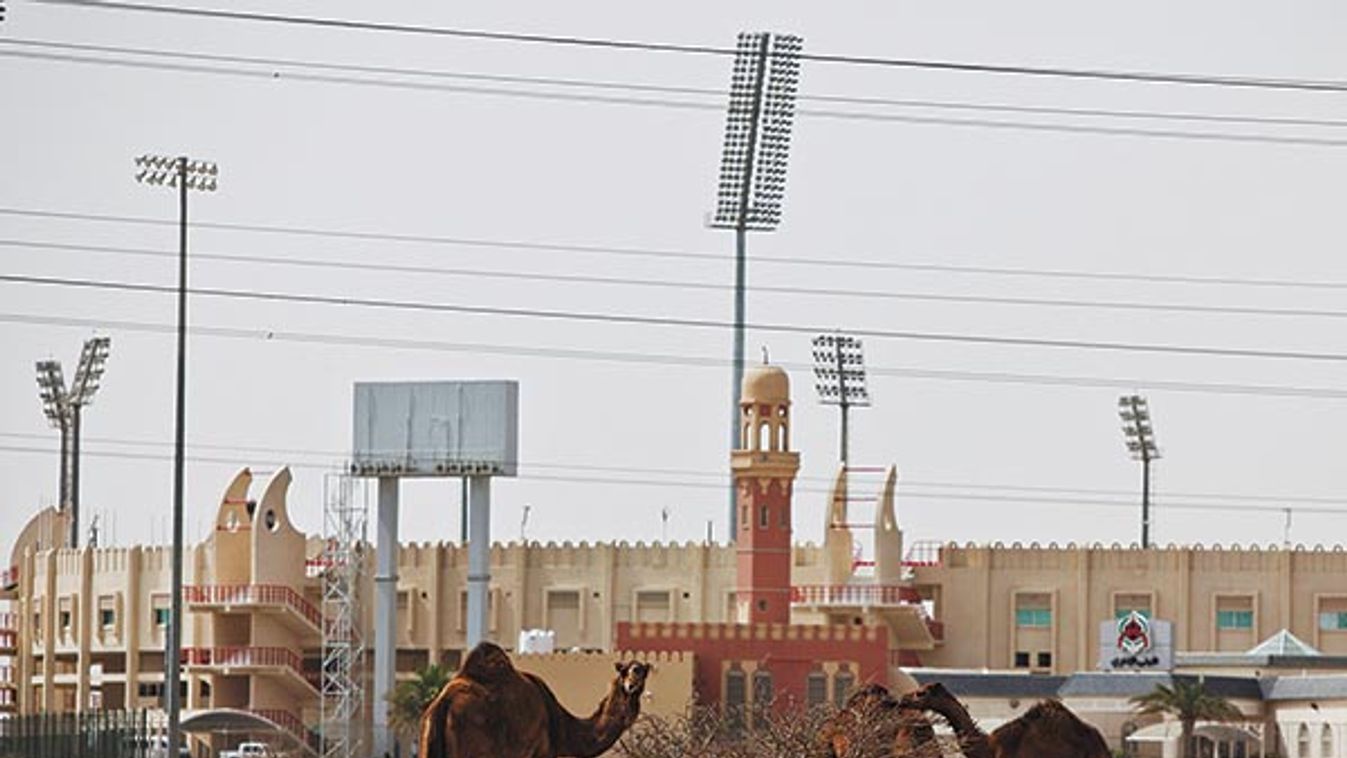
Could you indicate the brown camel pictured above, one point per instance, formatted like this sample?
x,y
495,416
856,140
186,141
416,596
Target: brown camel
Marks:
x,y
894,731
1047,730
490,709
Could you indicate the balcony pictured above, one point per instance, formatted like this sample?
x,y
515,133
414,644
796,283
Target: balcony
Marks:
x,y
853,595
9,634
9,582
228,661
248,598
899,605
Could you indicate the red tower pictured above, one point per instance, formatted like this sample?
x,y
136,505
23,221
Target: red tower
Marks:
x,y
764,477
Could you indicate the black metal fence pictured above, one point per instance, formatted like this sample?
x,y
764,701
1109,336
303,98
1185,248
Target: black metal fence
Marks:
x,y
93,734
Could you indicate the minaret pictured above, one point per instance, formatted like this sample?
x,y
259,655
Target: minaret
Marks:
x,y
764,476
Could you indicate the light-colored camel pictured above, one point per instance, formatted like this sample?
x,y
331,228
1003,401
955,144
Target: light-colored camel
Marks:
x,y
872,724
490,709
1047,730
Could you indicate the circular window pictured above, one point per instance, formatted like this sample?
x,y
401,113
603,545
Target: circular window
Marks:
x,y
270,519
762,605
781,411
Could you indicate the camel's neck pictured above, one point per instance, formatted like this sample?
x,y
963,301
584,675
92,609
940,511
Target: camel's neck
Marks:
x,y
593,736
972,739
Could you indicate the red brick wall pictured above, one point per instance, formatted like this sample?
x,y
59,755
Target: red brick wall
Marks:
x,y
790,652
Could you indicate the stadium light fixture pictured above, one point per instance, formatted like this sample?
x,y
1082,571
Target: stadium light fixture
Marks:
x,y
1139,437
840,379
753,164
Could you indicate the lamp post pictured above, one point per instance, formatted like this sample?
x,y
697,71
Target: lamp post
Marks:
x,y
63,408
839,378
753,168
181,174
1139,436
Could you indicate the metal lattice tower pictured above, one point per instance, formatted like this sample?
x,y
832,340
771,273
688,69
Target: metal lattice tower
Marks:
x,y
343,567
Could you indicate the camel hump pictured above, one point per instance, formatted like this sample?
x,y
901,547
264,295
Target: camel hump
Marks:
x,y
487,663
1050,710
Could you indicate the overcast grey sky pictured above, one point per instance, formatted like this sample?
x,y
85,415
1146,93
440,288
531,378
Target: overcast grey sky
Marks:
x,y
438,162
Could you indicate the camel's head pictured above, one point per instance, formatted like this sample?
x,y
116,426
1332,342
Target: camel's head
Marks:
x,y
924,698
631,676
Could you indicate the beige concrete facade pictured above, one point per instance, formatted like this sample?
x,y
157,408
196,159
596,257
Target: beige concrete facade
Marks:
x,y
996,602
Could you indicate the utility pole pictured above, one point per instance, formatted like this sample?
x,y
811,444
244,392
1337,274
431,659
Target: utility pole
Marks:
x,y
840,380
753,170
182,174
1139,436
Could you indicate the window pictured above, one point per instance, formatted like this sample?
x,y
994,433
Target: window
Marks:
x,y
743,517
815,689
1033,617
762,517
1033,611
1326,741
1045,660
161,616
762,697
653,605
1333,621
736,696
1021,659
65,621
843,682
1227,620
1303,742
107,617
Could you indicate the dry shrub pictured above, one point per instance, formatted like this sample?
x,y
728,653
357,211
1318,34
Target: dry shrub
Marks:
x,y
867,731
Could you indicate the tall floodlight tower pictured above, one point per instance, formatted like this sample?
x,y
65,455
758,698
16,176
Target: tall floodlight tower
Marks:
x,y
63,408
753,168
1139,435
56,407
839,378
181,174
430,429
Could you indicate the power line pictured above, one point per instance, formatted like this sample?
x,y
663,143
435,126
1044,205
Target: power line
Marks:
x,y
552,352
720,258
709,92
638,482
694,285
332,456
690,105
630,45
682,322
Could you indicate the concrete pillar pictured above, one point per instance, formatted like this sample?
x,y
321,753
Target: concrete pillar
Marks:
x,y
385,611
83,608
479,557
132,609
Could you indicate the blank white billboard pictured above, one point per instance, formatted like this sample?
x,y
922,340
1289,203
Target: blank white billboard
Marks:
x,y
430,429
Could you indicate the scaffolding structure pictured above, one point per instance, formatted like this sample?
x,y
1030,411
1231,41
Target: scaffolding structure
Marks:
x,y
343,568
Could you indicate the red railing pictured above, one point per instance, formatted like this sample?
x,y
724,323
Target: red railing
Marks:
x,y
253,594
291,723
248,657
923,553
9,578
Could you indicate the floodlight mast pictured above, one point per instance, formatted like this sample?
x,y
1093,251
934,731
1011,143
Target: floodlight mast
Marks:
x,y
839,379
1139,436
753,170
55,406
182,174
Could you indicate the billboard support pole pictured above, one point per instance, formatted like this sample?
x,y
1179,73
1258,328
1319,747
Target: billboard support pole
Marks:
x,y
385,610
479,557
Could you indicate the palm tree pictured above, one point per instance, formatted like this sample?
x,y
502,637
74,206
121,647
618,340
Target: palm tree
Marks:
x,y
409,699
1188,702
